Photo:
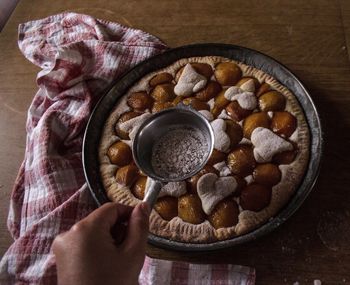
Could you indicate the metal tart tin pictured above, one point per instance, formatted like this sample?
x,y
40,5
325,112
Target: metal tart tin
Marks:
x,y
244,55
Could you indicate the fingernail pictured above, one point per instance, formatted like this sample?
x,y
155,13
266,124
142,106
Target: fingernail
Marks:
x,y
145,208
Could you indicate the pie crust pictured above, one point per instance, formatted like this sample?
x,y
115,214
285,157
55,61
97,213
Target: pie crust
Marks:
x,y
176,229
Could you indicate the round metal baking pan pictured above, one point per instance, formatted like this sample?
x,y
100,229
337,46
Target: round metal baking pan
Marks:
x,y
245,55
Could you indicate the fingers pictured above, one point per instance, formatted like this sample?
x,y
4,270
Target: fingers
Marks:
x,y
137,231
108,214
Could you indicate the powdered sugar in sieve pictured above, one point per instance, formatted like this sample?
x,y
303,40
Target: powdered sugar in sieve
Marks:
x,y
178,152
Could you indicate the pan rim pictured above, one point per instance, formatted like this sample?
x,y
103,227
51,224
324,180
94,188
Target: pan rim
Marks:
x,y
251,57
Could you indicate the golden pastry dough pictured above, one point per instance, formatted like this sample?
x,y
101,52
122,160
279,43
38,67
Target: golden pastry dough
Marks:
x,y
176,229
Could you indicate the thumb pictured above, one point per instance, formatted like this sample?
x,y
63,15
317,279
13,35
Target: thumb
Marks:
x,y
137,232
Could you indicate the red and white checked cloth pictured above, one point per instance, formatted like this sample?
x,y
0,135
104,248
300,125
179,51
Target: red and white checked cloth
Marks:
x,y
79,57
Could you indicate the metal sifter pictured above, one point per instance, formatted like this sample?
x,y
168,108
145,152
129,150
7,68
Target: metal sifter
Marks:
x,y
155,128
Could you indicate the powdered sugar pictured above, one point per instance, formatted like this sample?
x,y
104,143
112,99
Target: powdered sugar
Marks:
x,y
134,124
267,144
212,189
189,82
209,116
174,189
222,168
245,99
178,152
221,139
224,115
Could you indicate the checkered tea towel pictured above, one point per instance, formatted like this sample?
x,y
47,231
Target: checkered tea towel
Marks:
x,y
79,56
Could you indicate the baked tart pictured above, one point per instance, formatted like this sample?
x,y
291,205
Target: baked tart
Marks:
x,y
261,149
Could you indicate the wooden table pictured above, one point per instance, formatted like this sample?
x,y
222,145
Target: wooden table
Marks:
x,y
310,37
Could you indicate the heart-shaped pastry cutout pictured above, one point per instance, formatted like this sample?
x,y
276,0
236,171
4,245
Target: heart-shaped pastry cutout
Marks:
x,y
222,168
246,99
212,189
221,139
267,144
174,189
131,126
209,116
189,82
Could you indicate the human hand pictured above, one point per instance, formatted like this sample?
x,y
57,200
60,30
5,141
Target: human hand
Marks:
x,y
88,254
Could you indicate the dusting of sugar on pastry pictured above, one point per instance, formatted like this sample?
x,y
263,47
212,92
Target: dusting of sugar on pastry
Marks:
x,y
270,114
221,139
189,82
247,100
224,115
249,179
246,141
211,103
231,92
294,136
317,282
128,142
174,189
267,144
283,168
209,116
131,126
212,189
222,168
249,86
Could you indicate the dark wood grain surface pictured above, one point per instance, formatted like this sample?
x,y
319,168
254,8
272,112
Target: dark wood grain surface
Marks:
x,y
311,38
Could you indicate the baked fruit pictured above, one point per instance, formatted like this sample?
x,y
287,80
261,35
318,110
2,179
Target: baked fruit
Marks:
x,y
245,79
235,133
225,214
241,184
236,112
202,68
209,92
161,78
216,157
286,157
166,207
267,174
227,73
163,93
196,104
283,123
263,152
220,103
241,160
119,153
158,106
253,121
140,101
272,101
123,118
263,89
190,209
255,197
138,189
127,175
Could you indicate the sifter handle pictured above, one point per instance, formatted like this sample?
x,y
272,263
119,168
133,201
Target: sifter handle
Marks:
x,y
152,192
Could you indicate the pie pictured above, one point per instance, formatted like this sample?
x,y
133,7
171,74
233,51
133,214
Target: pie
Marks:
x,y
261,149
